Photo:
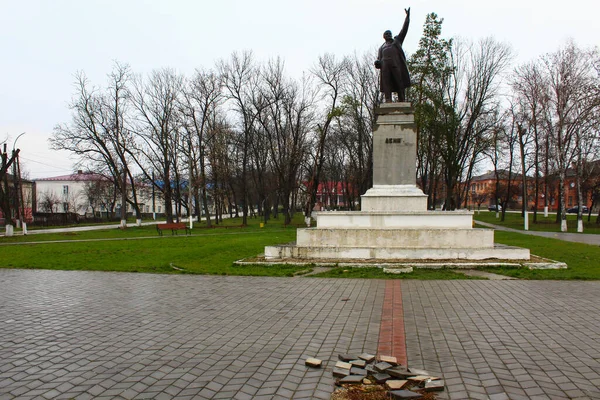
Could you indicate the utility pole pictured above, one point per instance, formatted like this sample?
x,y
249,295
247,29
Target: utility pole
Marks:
x,y
5,189
16,203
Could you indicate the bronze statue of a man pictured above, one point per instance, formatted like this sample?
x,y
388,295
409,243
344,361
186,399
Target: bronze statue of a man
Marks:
x,y
392,63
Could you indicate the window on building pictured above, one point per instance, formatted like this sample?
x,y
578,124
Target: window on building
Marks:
x,y
65,189
159,208
570,201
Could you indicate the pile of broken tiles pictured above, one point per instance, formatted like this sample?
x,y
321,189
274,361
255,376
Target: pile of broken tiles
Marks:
x,y
367,369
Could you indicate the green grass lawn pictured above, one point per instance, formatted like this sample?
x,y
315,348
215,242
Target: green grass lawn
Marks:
x,y
213,251
516,221
583,260
206,251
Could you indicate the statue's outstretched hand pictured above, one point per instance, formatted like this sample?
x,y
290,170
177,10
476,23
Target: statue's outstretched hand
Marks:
x,y
407,11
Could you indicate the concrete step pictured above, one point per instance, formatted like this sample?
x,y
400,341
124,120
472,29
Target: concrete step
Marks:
x,y
393,253
406,220
396,238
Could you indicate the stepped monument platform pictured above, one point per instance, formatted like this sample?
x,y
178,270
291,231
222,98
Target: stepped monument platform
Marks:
x,y
394,223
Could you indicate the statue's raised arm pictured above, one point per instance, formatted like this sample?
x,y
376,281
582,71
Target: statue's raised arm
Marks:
x,y
404,29
391,60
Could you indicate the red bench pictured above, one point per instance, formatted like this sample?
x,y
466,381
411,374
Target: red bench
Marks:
x,y
174,227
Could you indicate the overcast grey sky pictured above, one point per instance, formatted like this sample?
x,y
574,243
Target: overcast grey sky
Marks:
x,y
44,42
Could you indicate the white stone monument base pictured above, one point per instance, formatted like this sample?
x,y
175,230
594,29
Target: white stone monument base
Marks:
x,y
393,198
394,223
387,235
392,253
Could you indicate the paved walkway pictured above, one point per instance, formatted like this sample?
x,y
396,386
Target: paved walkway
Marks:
x,y
586,238
506,339
82,335
101,335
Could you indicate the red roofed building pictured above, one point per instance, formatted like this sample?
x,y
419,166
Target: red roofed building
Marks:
x,y
333,195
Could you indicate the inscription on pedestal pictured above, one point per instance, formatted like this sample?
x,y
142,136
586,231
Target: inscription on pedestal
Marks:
x,y
394,146
393,140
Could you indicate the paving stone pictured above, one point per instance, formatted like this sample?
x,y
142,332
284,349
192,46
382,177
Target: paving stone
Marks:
x,y
342,364
347,357
367,357
381,377
399,372
420,378
382,366
416,371
352,379
340,372
405,394
434,386
389,359
313,362
359,363
358,371
395,384
371,369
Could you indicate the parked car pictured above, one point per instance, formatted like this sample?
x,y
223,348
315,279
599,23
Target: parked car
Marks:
x,y
493,208
575,210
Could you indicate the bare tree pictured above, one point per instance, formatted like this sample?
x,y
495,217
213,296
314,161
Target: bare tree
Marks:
x,y
98,132
330,74
156,101
284,115
572,101
201,98
472,97
531,90
49,202
358,120
240,77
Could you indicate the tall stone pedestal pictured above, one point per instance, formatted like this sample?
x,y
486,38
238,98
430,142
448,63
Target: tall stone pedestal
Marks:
x,y
394,223
394,162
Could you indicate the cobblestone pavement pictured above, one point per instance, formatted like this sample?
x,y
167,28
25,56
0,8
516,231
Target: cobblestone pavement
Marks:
x,y
139,336
506,339
136,336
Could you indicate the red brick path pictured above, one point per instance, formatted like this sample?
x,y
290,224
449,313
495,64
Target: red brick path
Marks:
x,y
392,340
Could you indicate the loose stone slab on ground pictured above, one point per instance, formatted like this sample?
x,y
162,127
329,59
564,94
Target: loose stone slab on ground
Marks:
x,y
314,362
358,371
405,394
347,357
352,379
342,364
375,381
395,384
381,378
359,363
382,366
434,386
340,372
400,372
389,360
